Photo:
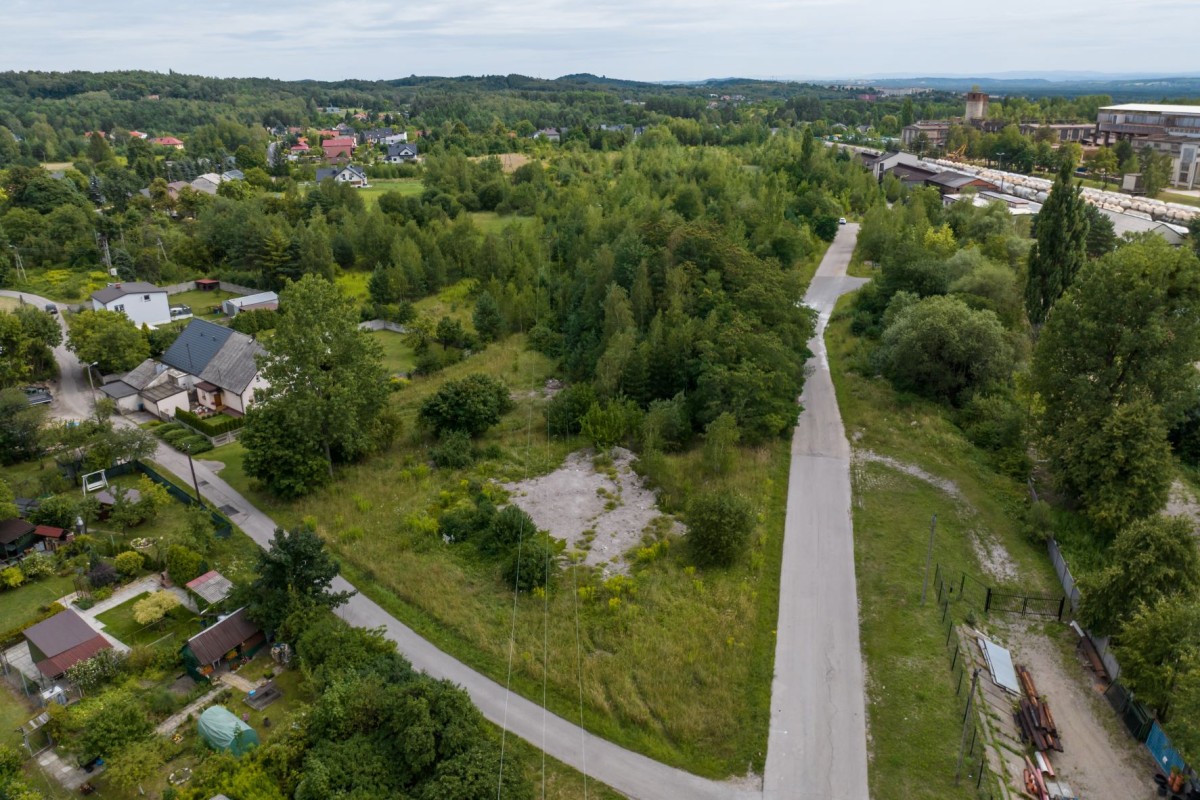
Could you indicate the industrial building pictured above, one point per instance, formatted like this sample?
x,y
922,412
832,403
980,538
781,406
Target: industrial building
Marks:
x,y
1170,129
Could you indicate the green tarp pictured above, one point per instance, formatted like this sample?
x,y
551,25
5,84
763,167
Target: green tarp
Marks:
x,y
222,730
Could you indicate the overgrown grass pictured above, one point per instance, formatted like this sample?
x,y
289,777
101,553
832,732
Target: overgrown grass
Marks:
x,y
491,222
398,357
677,662
63,285
9,303
179,624
913,712
354,285
409,187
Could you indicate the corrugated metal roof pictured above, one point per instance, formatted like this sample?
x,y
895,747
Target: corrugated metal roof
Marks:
x,y
162,391
13,529
118,389
1153,108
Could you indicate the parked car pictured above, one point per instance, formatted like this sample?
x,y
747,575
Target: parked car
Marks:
x,y
51,308
36,395
841,221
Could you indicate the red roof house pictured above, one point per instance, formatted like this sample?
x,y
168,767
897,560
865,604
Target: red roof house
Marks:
x,y
167,141
61,642
339,148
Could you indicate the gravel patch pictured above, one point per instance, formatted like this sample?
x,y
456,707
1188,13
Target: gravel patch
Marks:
x,y
602,513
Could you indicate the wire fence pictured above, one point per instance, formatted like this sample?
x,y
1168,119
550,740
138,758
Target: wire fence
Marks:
x,y
974,764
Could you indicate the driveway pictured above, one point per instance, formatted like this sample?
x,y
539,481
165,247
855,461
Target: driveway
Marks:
x,y
71,393
817,746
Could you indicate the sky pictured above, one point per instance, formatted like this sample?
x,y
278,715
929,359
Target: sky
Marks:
x,y
648,40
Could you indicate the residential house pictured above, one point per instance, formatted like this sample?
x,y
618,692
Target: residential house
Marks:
x,y
233,175
351,174
339,148
401,153
16,536
229,640
331,110
144,303
207,183
881,163
549,134
62,641
395,138
911,176
219,363
268,301
138,135
345,129
167,141
152,387
299,149
377,135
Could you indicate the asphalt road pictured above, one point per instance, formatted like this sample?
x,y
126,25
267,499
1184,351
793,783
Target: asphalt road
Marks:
x,y
71,392
817,746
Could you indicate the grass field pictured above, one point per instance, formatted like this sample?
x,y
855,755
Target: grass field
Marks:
x,y
201,303
354,284
409,187
9,303
491,222
179,624
677,661
911,696
18,606
398,357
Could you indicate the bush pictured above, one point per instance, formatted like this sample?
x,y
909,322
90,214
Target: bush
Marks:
x,y
508,527
719,524
101,574
472,404
183,564
37,565
453,451
667,425
171,437
11,578
565,410
214,426
129,563
610,424
532,565
13,635
193,444
58,511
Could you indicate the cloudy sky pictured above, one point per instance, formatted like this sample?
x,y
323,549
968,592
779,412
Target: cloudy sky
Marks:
x,y
633,39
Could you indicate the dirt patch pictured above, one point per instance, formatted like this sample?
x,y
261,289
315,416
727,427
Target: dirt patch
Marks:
x,y
947,486
509,162
602,513
993,557
1099,758
1182,502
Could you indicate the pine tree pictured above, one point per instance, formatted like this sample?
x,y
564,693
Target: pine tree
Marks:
x,y
1060,249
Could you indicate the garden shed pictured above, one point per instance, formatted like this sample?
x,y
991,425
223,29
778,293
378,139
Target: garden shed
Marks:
x,y
232,638
222,730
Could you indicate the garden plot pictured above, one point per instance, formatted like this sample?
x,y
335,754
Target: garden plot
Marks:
x,y
598,507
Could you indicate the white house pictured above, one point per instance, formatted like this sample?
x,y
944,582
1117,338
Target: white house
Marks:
x,y
152,387
250,302
351,174
401,153
144,303
220,364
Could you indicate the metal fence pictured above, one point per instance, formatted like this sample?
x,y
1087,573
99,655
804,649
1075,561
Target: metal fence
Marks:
x,y
222,527
1063,570
974,743
958,585
382,325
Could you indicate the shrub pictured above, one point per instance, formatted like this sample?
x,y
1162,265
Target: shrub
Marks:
x,y
11,577
719,524
565,410
610,424
667,424
37,565
58,511
472,404
101,574
97,670
453,450
13,635
214,426
508,527
129,563
183,564
154,607
102,594
463,522
532,565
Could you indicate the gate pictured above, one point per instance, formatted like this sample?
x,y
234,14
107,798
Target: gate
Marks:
x,y
1164,754
1025,605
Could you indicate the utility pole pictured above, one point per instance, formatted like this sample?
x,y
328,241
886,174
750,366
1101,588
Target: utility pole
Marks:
x,y
928,557
92,384
195,483
962,747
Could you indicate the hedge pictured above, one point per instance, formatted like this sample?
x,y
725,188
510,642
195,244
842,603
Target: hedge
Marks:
x,y
209,427
13,635
172,437
194,444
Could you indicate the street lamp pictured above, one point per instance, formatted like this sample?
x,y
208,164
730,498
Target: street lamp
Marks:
x,y
1000,157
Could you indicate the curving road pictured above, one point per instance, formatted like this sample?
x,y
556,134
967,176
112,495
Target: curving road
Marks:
x,y
817,746
71,392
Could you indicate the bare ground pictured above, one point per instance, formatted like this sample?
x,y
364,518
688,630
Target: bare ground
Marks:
x,y
1182,502
602,513
1099,759
993,558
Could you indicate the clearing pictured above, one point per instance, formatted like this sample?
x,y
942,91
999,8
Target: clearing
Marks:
x,y
398,357
596,505
509,162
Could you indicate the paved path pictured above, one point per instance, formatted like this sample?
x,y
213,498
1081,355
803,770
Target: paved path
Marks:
x,y
168,725
817,745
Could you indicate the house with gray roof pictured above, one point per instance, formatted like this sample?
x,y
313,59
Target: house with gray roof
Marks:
x,y
401,153
351,174
150,386
220,364
142,302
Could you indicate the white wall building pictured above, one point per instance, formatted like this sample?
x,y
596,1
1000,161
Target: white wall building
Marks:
x,y
144,303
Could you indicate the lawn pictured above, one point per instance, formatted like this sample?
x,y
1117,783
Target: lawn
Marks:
x,y
202,302
491,222
354,284
911,694
398,357
179,624
677,661
409,187
18,606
